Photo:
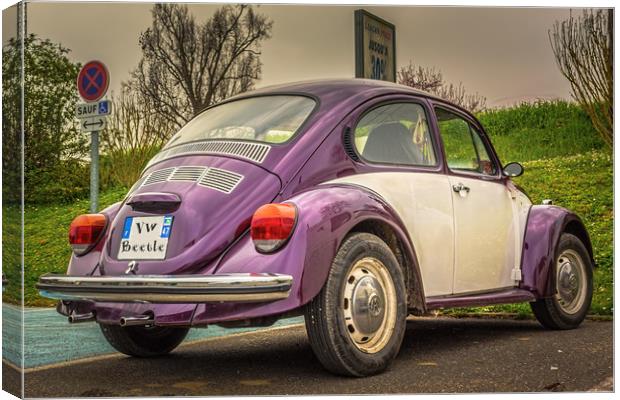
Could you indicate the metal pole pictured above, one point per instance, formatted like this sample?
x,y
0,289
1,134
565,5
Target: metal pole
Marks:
x,y
94,171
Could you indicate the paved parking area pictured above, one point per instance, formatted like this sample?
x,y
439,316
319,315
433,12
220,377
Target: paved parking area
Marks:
x,y
439,355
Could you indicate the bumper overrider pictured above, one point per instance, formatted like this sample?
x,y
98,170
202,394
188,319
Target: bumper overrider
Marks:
x,y
254,287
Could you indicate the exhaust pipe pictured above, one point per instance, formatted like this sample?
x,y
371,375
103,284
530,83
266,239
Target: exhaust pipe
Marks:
x,y
75,318
140,320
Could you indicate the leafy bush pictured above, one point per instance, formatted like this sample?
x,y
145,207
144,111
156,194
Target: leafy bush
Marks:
x,y
122,167
52,140
62,183
540,114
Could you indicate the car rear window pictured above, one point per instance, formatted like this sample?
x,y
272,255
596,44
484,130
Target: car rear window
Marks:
x,y
270,119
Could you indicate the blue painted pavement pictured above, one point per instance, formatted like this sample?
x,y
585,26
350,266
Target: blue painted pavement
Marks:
x,y
50,339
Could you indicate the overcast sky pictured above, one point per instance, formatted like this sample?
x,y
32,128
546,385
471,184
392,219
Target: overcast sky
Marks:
x,y
502,53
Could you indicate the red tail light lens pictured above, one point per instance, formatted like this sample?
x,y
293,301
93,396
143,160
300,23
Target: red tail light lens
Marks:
x,y
85,231
272,225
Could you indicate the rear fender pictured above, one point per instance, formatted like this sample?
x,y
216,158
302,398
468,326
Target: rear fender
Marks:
x,y
325,216
545,225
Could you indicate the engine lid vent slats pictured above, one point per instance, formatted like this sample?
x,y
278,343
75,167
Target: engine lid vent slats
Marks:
x,y
209,177
190,174
256,152
219,179
158,176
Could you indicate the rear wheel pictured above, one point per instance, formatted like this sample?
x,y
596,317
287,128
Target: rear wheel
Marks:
x,y
573,280
356,324
143,341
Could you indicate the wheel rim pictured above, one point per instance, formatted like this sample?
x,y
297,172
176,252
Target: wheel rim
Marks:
x,y
570,281
369,305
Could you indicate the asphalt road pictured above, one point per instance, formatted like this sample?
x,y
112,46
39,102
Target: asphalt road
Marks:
x,y
439,355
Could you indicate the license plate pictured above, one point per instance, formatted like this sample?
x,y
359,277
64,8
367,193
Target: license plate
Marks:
x,y
145,238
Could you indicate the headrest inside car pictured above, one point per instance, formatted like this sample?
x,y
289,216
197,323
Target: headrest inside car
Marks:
x,y
392,143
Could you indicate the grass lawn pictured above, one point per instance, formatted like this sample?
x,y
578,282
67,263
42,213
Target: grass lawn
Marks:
x,y
46,245
11,251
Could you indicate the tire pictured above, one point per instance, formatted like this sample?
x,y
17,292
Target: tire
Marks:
x,y
139,341
357,322
573,263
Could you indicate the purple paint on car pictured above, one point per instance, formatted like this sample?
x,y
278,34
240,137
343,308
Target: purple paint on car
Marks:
x,y
381,226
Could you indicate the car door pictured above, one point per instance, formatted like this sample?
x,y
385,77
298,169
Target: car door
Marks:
x,y
484,233
403,165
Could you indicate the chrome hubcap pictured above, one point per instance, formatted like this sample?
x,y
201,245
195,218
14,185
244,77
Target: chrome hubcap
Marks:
x,y
570,281
369,305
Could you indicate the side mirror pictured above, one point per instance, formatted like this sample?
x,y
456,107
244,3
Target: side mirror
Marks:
x,y
513,169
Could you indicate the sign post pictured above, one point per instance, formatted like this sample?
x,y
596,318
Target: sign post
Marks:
x,y
94,171
92,83
375,47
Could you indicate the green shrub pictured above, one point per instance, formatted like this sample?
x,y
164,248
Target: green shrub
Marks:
x,y
544,129
63,183
122,167
540,115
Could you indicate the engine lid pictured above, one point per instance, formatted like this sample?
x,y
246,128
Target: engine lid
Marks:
x,y
184,213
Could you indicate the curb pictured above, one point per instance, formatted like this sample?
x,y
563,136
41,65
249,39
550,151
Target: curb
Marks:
x,y
516,316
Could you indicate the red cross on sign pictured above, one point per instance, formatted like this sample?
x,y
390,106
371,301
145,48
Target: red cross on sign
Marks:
x,y
93,80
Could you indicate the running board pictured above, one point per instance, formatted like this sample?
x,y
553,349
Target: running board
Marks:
x,y
479,299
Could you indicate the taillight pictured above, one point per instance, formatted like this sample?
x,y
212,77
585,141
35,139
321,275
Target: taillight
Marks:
x,y
272,225
85,231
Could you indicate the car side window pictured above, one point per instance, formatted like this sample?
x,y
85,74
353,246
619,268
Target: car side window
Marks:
x,y
463,144
395,133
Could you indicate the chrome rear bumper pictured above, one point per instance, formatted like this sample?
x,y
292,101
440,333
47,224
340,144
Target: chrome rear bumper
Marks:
x,y
167,288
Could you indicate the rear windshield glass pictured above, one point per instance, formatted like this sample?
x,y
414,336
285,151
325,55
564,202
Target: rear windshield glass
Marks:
x,y
271,119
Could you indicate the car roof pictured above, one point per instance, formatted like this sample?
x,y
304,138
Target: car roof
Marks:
x,y
335,91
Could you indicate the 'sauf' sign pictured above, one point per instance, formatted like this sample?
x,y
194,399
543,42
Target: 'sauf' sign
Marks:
x,y
86,110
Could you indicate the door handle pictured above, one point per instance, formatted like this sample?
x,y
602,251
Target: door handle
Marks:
x,y
460,189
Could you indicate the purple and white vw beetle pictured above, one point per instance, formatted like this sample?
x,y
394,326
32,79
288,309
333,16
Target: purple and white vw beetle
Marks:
x,y
355,203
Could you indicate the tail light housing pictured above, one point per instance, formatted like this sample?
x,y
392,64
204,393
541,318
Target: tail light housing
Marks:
x,y
272,225
86,231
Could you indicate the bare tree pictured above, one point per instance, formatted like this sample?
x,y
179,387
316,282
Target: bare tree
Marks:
x,y
426,79
458,95
431,80
187,66
134,134
583,49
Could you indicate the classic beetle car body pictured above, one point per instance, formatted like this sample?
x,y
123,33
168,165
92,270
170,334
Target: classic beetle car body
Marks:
x,y
354,202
